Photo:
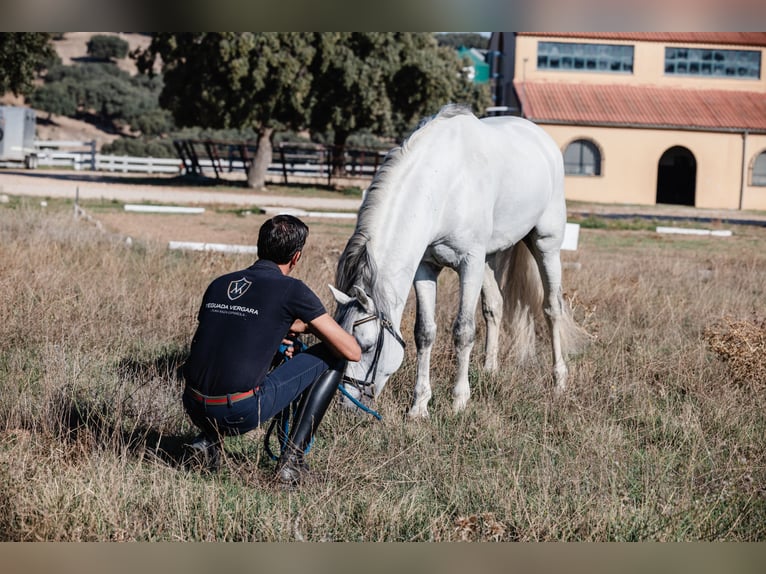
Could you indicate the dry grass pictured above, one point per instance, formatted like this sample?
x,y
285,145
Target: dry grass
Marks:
x,y
660,436
742,345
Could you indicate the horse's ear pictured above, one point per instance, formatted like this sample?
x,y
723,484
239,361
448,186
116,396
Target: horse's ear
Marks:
x,y
363,298
340,296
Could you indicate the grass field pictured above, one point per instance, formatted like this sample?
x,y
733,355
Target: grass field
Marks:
x,y
660,435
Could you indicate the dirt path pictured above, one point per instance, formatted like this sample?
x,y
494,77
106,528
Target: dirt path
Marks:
x,y
68,184
90,185
212,226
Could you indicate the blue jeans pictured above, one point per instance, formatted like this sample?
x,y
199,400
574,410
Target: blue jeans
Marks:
x,y
281,387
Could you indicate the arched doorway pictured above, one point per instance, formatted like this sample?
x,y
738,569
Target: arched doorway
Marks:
x,y
676,177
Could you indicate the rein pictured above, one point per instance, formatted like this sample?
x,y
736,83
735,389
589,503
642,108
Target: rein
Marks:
x,y
365,386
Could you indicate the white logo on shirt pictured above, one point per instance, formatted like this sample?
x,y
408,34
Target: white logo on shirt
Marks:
x,y
238,288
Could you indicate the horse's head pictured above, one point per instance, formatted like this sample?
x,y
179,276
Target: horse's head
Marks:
x,y
382,345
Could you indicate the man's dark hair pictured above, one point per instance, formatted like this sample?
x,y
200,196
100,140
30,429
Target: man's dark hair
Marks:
x,y
281,237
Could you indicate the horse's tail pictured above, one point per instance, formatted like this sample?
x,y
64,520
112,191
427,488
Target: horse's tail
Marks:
x,y
521,285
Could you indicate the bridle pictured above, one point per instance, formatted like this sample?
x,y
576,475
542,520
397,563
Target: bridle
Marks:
x,y
364,386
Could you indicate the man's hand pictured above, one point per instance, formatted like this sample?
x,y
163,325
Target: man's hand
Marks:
x,y
289,345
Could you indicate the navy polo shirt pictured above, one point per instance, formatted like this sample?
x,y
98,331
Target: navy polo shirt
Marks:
x,y
242,320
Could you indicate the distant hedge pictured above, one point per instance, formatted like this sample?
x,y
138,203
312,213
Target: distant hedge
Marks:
x,y
140,147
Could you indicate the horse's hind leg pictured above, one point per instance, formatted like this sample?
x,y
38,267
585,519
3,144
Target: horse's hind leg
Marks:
x,y
492,310
425,335
547,254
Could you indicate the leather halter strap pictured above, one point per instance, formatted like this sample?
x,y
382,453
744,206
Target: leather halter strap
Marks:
x,y
364,386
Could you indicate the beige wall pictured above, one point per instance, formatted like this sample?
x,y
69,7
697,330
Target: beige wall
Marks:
x,y
630,156
648,67
630,159
754,197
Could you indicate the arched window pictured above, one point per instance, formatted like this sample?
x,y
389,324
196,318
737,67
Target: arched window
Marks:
x,y
582,157
758,176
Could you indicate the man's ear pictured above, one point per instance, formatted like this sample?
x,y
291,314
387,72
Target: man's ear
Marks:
x,y
295,258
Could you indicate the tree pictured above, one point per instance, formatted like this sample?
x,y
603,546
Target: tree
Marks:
x,y
106,95
54,98
348,91
383,81
107,47
257,80
22,55
428,77
463,39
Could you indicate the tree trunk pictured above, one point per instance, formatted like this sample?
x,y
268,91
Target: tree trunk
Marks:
x,y
256,173
339,153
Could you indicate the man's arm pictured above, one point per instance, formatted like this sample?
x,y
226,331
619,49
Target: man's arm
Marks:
x,y
341,342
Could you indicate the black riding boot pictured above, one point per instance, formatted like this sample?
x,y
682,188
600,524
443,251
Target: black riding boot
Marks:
x,y
205,451
313,405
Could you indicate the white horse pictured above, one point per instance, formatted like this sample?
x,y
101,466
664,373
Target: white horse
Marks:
x,y
482,197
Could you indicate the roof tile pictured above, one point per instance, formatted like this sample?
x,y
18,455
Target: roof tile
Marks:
x,y
642,105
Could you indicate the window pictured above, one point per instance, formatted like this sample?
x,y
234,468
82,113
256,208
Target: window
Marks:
x,y
758,176
582,158
713,63
584,57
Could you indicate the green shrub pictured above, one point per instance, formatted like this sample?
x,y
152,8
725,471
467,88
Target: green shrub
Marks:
x,y
104,94
55,98
107,47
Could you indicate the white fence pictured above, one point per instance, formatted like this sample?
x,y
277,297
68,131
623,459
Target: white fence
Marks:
x,y
125,164
89,160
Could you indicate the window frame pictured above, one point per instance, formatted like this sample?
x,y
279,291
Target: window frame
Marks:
x,y
586,57
693,62
582,165
758,179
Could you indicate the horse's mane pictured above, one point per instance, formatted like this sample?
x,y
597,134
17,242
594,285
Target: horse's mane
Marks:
x,y
356,266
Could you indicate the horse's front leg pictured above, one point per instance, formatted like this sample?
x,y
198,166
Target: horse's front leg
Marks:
x,y
471,273
425,335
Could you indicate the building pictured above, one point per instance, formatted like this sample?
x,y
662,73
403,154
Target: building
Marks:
x,y
644,117
478,69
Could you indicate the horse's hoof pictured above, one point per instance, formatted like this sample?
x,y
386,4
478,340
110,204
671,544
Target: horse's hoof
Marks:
x,y
459,404
490,367
418,413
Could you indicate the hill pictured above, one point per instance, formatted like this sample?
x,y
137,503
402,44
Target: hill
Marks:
x,y
71,48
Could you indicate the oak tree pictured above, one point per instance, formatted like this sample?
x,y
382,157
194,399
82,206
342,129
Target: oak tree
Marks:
x,y
241,80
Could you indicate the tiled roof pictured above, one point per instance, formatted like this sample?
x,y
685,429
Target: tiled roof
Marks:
x,y
732,38
648,106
